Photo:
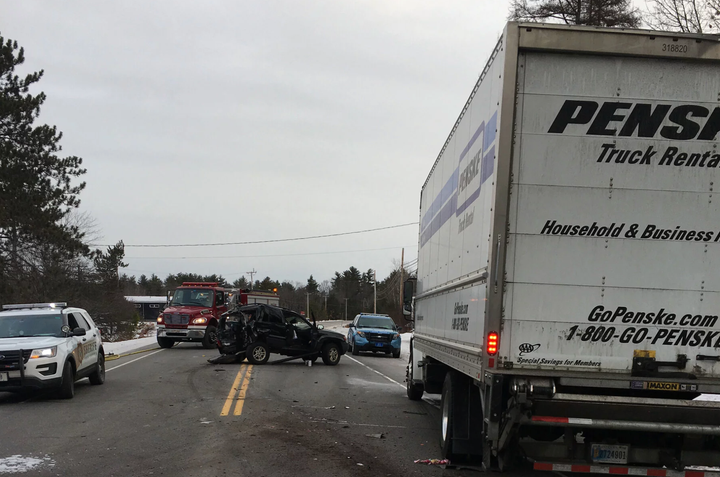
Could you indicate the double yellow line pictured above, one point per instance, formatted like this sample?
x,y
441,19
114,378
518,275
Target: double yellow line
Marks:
x,y
237,393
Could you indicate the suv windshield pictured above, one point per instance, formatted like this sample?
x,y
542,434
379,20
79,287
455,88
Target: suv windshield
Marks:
x,y
21,326
376,322
192,297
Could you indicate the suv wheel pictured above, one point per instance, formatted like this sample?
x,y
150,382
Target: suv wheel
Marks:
x,y
67,387
98,376
396,353
331,354
210,339
355,350
258,353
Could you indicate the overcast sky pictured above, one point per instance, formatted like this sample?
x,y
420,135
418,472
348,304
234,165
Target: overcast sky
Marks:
x,y
229,121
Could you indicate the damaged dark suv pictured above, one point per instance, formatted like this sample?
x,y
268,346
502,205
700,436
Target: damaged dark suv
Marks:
x,y
254,331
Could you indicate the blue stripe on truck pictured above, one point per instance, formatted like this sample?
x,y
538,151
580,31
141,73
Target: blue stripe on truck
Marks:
x,y
445,204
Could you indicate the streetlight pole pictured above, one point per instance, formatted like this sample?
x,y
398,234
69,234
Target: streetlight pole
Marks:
x,y
346,309
307,309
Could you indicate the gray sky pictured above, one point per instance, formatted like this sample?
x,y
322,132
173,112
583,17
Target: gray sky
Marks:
x,y
222,121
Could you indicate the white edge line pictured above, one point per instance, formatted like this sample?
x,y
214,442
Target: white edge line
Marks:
x,y
376,371
130,362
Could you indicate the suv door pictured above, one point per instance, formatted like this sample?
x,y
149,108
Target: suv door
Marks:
x,y
273,327
82,359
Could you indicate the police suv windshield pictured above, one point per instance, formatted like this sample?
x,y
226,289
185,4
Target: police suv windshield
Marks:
x,y
23,326
193,297
375,322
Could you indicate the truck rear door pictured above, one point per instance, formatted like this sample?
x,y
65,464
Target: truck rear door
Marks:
x,y
613,257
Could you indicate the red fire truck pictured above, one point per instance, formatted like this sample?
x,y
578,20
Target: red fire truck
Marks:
x,y
194,309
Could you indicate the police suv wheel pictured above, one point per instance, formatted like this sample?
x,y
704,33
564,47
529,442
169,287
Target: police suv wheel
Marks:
x,y
258,353
98,376
67,388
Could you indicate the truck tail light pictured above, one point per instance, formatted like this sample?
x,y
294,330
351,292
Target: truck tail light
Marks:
x,y
492,343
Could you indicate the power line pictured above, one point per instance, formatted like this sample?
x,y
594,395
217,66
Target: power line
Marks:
x,y
260,241
266,256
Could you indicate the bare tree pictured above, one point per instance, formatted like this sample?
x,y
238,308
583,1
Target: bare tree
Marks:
x,y
691,16
609,13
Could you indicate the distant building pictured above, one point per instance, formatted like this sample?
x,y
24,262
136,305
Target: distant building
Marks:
x,y
148,307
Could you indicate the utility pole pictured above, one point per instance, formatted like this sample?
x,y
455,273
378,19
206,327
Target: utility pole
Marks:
x,y
402,277
326,304
346,309
251,276
307,306
374,291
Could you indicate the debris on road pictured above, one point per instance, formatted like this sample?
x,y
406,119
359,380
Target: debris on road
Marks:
x,y
376,436
415,412
433,461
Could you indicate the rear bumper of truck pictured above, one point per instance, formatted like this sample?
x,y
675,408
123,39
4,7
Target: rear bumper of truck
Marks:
x,y
657,432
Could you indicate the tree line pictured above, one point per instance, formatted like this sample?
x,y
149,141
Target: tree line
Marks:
x,y
347,293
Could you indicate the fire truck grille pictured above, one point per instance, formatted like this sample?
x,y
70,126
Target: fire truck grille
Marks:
x,y
177,319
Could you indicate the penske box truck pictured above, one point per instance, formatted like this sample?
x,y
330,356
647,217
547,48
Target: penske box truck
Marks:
x,y
568,285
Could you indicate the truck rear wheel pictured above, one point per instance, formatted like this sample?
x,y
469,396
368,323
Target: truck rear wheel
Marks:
x,y
461,421
165,342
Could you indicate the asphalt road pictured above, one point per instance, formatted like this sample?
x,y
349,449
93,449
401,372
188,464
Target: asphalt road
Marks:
x,y
170,412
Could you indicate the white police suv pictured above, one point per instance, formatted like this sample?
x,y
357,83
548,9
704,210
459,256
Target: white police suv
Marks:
x,y
48,346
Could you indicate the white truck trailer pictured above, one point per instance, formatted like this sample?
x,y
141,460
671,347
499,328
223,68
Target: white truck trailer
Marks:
x,y
568,286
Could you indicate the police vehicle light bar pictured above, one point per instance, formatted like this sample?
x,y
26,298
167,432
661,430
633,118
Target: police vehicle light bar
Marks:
x,y
34,305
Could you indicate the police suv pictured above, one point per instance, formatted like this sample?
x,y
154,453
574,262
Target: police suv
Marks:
x,y
49,346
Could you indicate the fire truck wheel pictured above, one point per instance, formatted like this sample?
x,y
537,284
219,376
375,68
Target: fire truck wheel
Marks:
x,y
258,353
165,342
210,339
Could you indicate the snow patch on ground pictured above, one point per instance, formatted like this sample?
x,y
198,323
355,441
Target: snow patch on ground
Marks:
x,y
121,347
17,464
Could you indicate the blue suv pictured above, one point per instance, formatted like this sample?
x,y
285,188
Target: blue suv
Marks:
x,y
371,332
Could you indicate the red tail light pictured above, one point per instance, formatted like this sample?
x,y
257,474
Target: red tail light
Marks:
x,y
493,341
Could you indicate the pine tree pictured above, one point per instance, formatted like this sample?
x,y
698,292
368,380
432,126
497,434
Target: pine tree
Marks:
x,y
609,13
37,187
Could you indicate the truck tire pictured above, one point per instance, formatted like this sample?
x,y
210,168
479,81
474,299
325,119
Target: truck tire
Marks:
x,y
67,386
165,342
396,353
331,354
98,376
210,339
258,353
355,350
451,411
414,390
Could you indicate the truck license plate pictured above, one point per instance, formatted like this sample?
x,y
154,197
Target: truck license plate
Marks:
x,y
608,454
3,377
379,345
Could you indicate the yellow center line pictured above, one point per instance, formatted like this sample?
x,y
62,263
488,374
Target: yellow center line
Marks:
x,y
228,402
243,390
